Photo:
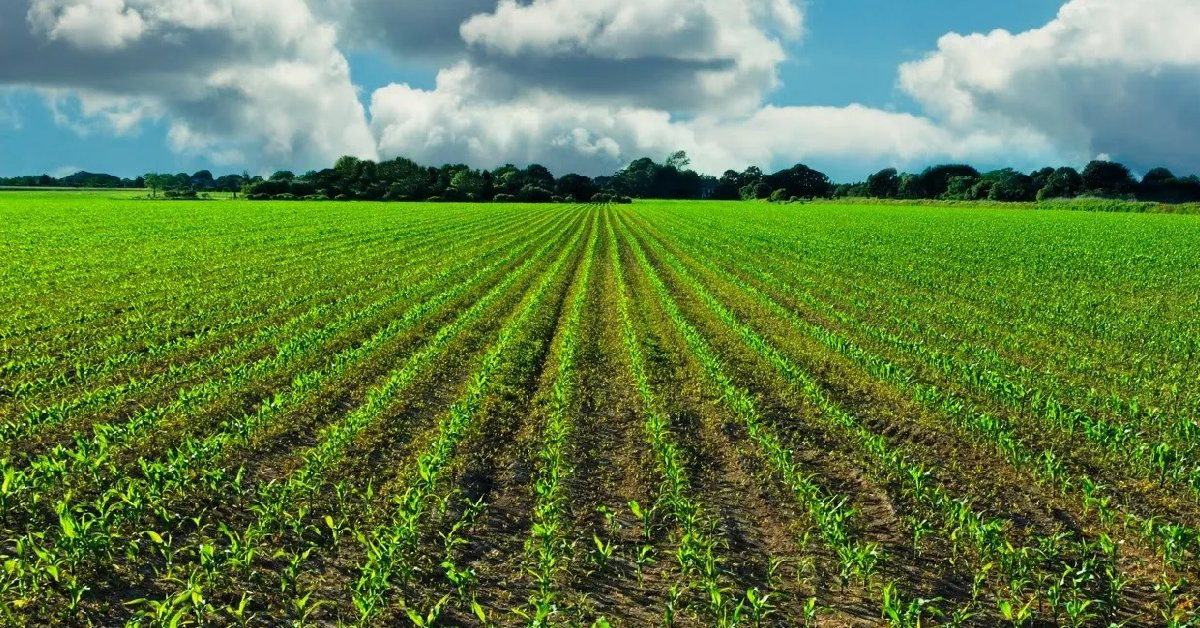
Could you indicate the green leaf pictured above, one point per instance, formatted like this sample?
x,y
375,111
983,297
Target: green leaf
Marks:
x,y
68,524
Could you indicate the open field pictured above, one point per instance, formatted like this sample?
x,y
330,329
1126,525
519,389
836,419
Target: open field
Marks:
x,y
694,413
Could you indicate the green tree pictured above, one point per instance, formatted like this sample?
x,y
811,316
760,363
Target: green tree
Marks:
x,y
884,184
801,181
679,160
756,190
468,182
203,180
1064,183
576,186
1010,186
158,182
1108,178
963,189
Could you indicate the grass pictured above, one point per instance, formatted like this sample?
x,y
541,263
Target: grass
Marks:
x,y
671,412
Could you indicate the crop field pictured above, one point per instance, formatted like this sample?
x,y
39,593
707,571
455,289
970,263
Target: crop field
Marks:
x,y
666,413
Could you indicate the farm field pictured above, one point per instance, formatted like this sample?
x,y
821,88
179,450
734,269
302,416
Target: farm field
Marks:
x,y
665,413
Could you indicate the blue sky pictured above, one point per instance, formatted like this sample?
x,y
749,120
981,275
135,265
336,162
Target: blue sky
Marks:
x,y
850,52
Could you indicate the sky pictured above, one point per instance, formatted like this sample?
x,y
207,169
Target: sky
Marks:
x,y
845,86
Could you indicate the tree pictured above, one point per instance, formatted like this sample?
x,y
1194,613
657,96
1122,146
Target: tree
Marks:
x,y
346,165
801,181
1108,178
577,186
1010,186
756,190
1040,177
910,186
203,180
1064,183
964,189
679,160
468,182
1162,186
228,183
538,176
155,182
1158,175
534,194
935,180
727,186
884,184
283,175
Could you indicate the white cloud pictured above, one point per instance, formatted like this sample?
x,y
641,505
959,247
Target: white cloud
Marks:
x,y
87,24
677,55
259,80
453,124
1105,76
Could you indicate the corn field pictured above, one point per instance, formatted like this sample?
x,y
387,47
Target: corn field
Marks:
x,y
666,413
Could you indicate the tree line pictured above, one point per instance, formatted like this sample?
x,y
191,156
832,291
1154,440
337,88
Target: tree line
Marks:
x,y
1104,179
402,179
77,180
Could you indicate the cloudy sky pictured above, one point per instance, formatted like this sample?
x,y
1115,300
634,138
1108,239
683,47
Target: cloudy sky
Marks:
x,y
847,86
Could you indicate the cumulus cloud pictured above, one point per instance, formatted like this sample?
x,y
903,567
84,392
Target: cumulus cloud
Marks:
x,y
675,55
254,80
452,123
1105,76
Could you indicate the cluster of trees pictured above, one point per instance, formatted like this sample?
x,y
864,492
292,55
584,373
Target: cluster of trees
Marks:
x,y
405,180
799,181
960,182
77,180
185,185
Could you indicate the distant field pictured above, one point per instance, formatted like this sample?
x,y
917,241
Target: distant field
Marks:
x,y
662,413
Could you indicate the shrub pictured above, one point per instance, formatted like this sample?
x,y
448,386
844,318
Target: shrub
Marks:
x,y
455,195
606,197
533,194
183,195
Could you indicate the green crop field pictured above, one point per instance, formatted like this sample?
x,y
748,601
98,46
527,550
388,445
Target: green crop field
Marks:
x,y
233,413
